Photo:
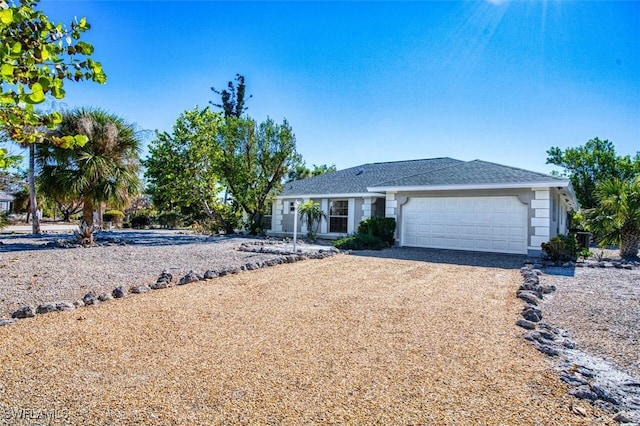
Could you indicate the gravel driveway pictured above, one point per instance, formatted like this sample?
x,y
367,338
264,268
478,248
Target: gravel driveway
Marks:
x,y
348,340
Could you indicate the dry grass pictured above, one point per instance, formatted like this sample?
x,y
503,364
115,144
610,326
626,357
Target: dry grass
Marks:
x,y
346,340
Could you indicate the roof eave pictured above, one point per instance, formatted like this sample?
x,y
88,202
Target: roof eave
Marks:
x,y
512,185
331,195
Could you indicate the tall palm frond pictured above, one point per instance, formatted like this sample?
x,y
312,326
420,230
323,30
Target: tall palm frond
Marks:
x,y
104,170
616,218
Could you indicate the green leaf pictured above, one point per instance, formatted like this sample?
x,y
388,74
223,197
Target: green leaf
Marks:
x,y
56,117
84,48
16,48
37,94
7,70
45,82
6,16
7,99
58,92
81,140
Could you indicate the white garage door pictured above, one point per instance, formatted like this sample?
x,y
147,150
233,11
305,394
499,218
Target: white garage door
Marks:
x,y
495,224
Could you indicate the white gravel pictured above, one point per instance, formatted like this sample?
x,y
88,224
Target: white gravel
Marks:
x,y
601,310
32,273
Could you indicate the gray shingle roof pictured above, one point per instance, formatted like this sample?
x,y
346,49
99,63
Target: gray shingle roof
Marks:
x,y
6,197
356,180
471,173
427,172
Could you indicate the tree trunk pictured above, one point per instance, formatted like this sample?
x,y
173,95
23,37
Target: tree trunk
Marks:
x,y
87,211
629,242
35,219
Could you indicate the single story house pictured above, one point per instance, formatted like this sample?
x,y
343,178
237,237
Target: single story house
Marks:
x,y
437,203
5,202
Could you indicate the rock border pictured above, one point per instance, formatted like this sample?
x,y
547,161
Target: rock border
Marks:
x,y
554,342
589,263
166,279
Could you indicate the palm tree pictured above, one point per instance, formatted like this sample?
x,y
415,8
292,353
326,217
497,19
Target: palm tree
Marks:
x,y
616,218
311,213
103,170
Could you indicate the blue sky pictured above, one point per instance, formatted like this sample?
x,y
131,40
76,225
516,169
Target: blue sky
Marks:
x,y
365,82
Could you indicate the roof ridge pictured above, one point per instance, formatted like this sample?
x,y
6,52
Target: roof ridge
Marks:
x,y
429,171
414,160
516,168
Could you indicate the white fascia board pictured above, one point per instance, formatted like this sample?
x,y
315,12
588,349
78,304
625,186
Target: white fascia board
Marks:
x,y
573,201
334,196
516,185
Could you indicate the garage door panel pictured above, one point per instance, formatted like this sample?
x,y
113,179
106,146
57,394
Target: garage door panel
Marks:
x,y
466,223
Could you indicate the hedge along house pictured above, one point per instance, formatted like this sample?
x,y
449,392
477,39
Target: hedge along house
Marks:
x,y
437,203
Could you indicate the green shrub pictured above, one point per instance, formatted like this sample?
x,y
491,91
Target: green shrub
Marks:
x,y
114,216
360,242
375,233
140,221
380,227
561,247
170,220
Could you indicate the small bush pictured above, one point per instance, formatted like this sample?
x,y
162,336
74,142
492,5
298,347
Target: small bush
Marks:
x,y
379,227
360,242
585,253
170,220
114,216
561,247
140,221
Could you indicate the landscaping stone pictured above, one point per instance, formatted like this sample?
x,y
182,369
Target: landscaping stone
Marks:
x,y
140,289
622,418
599,390
583,392
119,292
45,308
90,298
78,303
189,278
529,297
159,285
104,297
24,312
210,274
65,306
7,321
604,395
165,276
526,324
547,349
532,314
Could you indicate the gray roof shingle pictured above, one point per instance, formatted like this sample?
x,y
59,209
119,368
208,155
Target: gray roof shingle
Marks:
x,y
356,180
471,173
428,172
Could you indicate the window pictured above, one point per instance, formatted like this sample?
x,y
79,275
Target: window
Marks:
x,y
292,206
338,215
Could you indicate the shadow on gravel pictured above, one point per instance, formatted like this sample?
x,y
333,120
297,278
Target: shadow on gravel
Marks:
x,y
153,238
452,257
